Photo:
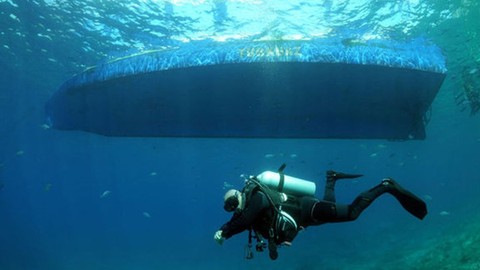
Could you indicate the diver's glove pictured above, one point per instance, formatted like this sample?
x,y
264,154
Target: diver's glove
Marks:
x,y
218,237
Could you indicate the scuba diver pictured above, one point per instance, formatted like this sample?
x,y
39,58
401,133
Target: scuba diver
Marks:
x,y
275,207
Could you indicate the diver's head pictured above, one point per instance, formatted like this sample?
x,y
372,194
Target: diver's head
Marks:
x,y
232,200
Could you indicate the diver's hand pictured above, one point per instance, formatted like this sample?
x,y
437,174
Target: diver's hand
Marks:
x,y
218,237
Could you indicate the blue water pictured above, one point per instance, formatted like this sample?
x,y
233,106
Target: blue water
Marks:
x,y
165,194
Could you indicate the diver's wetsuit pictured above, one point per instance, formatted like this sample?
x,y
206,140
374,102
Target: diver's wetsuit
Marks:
x,y
316,212
308,211
257,214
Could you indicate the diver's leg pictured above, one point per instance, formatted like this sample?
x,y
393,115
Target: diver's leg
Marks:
x,y
327,211
332,177
329,194
317,212
364,200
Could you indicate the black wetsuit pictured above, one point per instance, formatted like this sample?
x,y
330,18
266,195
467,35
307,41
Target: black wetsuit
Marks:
x,y
307,211
258,213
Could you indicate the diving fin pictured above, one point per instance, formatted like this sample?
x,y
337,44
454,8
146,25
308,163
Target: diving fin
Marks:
x,y
333,175
410,202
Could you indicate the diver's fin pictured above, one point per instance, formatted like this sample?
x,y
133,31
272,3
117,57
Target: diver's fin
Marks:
x,y
413,204
333,175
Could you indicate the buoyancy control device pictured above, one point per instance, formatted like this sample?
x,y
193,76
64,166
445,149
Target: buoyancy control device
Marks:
x,y
284,228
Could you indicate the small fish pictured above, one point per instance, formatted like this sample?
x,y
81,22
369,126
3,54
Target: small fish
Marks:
x,y
146,214
13,17
153,174
45,126
20,152
372,155
105,194
293,155
427,197
269,155
47,187
227,185
444,213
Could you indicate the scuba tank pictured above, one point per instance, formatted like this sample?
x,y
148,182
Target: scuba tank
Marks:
x,y
287,184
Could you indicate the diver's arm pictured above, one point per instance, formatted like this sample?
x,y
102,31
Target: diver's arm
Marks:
x,y
243,220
